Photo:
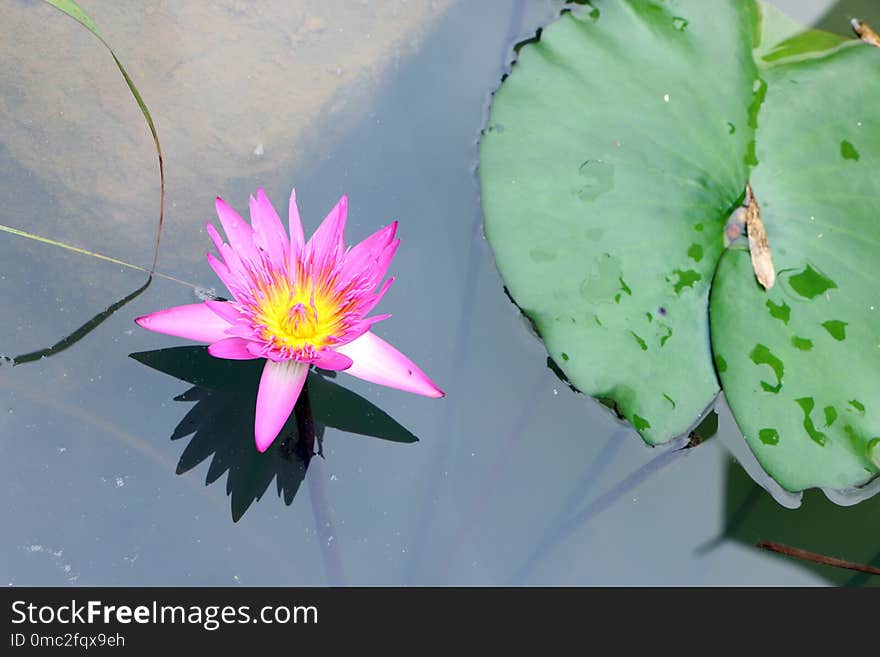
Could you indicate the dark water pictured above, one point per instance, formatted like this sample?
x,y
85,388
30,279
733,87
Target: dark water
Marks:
x,y
514,478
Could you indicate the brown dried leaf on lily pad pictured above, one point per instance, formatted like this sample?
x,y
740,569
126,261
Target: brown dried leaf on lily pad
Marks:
x,y
865,33
759,247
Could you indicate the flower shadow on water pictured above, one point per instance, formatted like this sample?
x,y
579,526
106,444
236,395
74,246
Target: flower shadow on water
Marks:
x,y
221,424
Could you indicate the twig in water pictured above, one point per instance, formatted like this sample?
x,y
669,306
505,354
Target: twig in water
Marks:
x,y
99,256
815,557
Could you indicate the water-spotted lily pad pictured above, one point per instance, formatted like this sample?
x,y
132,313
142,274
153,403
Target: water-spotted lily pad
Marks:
x,y
614,156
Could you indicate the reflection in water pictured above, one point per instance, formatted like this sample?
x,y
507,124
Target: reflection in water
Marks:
x,y
222,421
441,454
565,523
82,331
819,525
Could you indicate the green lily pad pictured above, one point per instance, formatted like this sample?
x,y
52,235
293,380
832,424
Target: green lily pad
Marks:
x,y
818,153
613,157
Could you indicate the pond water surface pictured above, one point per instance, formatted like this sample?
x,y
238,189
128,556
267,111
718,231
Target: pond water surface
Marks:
x,y
115,473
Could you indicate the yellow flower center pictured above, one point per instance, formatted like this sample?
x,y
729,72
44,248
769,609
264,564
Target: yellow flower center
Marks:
x,y
299,316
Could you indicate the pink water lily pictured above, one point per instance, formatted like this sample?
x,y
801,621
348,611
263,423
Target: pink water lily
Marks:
x,y
296,304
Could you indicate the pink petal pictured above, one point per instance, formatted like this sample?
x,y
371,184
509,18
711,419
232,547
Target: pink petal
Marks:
x,y
242,330
297,240
239,233
368,305
365,254
225,309
280,386
226,252
362,327
257,349
233,262
215,237
332,360
232,349
269,234
327,243
194,321
384,261
222,272
377,361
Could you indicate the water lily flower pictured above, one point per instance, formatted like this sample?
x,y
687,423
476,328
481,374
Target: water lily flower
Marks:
x,y
296,304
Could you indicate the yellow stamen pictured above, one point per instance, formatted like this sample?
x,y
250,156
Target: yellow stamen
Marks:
x,y
299,316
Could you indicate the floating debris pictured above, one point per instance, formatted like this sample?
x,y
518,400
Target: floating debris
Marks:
x,y
57,558
206,294
759,247
865,33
